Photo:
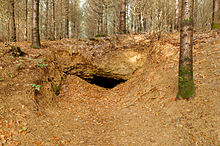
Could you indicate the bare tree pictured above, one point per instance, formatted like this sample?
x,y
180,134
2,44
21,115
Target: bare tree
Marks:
x,y
35,25
186,83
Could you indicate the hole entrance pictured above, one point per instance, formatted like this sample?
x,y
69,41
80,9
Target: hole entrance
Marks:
x,y
105,82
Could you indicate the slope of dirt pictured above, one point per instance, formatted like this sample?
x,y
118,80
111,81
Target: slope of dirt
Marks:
x,y
141,111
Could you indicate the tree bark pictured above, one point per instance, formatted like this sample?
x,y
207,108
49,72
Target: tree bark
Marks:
x,y
47,18
13,26
61,20
215,7
122,27
100,18
35,25
66,19
186,83
26,19
106,17
177,15
53,21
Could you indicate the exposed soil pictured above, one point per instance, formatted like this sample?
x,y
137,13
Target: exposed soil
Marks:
x,y
68,110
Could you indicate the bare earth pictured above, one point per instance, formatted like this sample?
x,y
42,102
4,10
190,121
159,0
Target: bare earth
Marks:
x,y
141,111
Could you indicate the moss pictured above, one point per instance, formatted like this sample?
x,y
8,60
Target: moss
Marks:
x,y
101,35
186,84
35,46
215,26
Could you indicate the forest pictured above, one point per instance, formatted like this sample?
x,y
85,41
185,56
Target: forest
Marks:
x,y
109,72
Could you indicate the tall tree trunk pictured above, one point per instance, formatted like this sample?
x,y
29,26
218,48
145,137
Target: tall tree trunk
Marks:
x,y
61,20
177,15
215,7
139,23
186,83
100,17
35,25
18,26
13,26
195,13
47,18
53,21
26,20
122,26
106,17
66,19
8,25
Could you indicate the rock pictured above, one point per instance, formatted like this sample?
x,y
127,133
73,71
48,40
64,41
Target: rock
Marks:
x,y
118,64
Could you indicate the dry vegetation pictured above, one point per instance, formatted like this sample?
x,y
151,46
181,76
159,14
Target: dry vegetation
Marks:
x,y
141,111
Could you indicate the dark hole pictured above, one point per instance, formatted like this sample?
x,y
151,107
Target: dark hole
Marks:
x,y
105,82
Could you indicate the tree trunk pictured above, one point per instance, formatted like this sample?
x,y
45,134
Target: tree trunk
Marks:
x,y
177,15
35,25
13,27
139,23
186,83
122,27
61,20
26,20
52,37
66,19
100,18
106,17
46,25
215,7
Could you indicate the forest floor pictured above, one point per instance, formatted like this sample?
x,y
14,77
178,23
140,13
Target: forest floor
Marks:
x,y
140,111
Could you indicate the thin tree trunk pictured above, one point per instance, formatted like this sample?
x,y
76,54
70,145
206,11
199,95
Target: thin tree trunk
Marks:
x,y
106,17
61,19
26,20
18,26
186,83
9,20
213,14
13,26
47,18
177,15
66,19
100,18
139,23
53,21
35,25
122,27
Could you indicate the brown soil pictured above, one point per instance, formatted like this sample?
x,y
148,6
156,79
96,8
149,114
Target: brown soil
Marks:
x,y
141,111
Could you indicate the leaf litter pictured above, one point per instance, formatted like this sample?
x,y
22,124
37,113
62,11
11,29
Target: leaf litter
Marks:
x,y
140,111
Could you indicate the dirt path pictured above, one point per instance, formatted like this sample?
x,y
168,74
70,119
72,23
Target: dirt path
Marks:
x,y
140,111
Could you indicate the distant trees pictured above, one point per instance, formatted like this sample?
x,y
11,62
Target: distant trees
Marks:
x,y
186,83
74,18
35,25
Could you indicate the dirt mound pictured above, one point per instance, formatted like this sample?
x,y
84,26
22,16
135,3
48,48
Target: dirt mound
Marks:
x,y
140,111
